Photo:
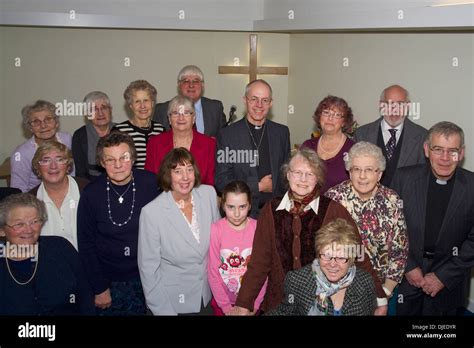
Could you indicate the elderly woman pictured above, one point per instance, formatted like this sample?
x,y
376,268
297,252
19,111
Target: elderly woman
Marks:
x,y
59,191
331,284
377,211
84,140
173,245
182,116
286,228
40,275
39,119
140,97
107,228
333,117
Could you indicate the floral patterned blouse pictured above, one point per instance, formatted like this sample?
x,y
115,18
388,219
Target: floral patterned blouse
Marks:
x,y
381,225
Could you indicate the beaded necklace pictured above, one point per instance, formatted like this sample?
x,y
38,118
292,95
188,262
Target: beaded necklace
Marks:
x,y
110,210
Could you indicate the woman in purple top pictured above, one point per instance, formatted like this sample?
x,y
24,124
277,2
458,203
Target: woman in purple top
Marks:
x,y
333,117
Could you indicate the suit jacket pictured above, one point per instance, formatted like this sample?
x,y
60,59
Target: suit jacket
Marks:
x,y
236,138
172,264
212,112
300,293
414,136
203,149
454,250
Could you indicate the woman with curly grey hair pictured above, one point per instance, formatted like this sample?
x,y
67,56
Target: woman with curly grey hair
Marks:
x,y
377,211
40,120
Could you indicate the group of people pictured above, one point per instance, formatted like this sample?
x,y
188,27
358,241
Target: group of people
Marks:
x,y
173,212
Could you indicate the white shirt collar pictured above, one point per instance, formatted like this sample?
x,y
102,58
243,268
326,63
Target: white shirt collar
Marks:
x,y
286,204
386,134
72,193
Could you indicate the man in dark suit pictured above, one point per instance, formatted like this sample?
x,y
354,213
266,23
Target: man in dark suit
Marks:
x,y
210,115
400,139
254,148
438,203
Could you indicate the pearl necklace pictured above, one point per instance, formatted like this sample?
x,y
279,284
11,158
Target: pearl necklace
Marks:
x,y
338,148
32,276
108,203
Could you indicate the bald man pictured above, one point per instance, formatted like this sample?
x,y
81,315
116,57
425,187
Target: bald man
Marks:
x,y
400,139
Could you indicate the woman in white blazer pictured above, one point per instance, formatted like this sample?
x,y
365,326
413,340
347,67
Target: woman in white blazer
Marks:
x,y
173,240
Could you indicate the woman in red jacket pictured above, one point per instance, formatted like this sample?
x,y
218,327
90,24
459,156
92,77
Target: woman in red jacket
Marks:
x,y
182,116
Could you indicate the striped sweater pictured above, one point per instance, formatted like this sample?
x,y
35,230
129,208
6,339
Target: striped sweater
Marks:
x,y
140,137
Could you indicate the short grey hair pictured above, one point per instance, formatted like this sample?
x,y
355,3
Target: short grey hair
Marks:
x,y
190,70
364,148
39,105
21,200
382,95
316,164
96,95
180,100
250,84
447,129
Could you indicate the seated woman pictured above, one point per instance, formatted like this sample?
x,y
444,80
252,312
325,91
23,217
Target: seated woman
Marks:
x,y
107,227
331,284
41,120
377,211
182,116
333,117
286,228
84,140
140,97
173,243
45,275
59,191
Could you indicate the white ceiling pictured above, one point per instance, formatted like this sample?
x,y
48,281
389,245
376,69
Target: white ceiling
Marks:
x,y
241,15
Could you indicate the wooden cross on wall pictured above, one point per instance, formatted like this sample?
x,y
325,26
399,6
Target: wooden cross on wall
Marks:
x,y
253,69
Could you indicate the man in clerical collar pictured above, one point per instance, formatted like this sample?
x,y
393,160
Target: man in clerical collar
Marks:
x,y
438,203
400,139
254,148
210,116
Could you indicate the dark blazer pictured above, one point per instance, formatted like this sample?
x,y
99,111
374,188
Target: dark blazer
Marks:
x,y
237,137
212,112
300,293
414,136
454,251
80,153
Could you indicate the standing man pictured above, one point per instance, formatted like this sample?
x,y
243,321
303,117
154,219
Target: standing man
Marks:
x,y
400,139
253,149
210,115
438,202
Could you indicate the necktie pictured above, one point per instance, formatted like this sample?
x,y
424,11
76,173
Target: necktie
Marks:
x,y
391,143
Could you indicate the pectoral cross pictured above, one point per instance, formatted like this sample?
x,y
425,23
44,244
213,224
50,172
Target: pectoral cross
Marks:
x,y
253,69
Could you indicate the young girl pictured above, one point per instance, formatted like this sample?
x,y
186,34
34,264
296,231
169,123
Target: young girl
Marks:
x,y
230,248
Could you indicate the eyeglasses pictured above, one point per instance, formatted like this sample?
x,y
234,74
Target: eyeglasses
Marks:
x,y
328,258
101,109
190,82
255,100
185,113
19,226
299,174
181,171
439,151
37,123
109,162
328,114
367,171
47,161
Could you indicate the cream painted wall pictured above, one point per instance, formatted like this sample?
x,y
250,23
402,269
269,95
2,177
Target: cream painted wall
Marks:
x,y
58,64
422,63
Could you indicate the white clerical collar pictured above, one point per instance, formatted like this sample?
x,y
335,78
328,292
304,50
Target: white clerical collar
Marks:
x,y
254,126
286,204
441,182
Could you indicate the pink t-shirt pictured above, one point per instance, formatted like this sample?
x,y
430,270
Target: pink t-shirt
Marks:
x,y
229,255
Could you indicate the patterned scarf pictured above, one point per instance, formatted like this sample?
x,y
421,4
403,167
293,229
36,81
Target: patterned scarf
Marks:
x,y
325,288
299,204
